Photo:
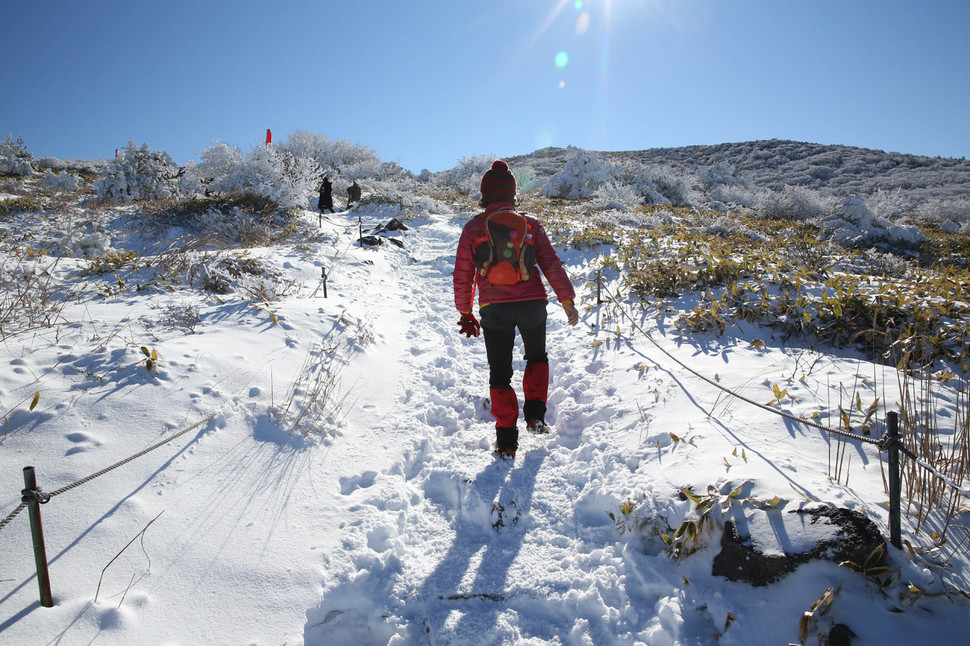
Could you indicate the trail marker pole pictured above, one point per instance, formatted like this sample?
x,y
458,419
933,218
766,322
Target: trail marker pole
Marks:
x,y
32,499
323,277
895,480
360,231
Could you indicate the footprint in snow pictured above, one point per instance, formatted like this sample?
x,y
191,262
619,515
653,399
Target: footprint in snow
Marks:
x,y
82,442
349,484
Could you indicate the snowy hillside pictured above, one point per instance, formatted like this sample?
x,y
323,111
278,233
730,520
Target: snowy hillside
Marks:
x,y
933,189
336,486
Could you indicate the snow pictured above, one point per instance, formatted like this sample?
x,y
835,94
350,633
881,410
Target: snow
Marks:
x,y
392,522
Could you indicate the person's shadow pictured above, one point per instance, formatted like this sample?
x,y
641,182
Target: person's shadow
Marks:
x,y
510,490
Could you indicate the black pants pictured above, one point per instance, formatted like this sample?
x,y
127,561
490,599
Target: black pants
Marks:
x,y
499,323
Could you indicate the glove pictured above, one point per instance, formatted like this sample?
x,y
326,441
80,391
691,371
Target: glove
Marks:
x,y
469,325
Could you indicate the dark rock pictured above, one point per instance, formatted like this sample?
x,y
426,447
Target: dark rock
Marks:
x,y
395,225
824,533
392,225
841,635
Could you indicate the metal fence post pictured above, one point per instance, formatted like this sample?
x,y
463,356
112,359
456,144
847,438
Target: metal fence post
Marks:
x,y
360,231
323,277
895,480
37,535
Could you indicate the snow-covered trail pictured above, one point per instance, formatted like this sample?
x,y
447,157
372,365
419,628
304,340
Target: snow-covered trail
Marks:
x,y
450,545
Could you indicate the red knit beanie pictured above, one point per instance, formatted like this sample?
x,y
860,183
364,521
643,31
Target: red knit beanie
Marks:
x,y
498,183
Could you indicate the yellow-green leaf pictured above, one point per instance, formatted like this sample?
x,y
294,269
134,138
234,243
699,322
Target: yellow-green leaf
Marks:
x,y
33,403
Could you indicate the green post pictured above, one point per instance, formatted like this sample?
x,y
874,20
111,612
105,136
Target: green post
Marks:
x,y
37,535
895,481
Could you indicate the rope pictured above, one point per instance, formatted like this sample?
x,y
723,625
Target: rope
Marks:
x,y
727,390
933,471
31,495
12,515
882,444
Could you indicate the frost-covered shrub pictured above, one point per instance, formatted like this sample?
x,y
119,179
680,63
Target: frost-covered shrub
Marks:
x,y
951,215
244,219
615,197
466,176
51,163
737,194
854,225
645,187
61,182
584,173
14,158
719,175
398,200
352,161
81,239
729,226
795,202
887,204
525,179
138,173
267,171
663,185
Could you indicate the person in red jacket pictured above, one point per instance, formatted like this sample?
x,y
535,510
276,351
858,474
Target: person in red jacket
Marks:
x,y
505,308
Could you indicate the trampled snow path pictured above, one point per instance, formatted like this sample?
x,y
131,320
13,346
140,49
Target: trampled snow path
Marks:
x,y
452,546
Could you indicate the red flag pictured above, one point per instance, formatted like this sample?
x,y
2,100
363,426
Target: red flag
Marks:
x,y
269,136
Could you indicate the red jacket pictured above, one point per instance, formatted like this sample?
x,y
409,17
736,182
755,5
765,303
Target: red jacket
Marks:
x,y
546,259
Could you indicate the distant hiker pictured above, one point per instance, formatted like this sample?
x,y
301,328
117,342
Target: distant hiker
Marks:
x,y
326,196
353,193
510,295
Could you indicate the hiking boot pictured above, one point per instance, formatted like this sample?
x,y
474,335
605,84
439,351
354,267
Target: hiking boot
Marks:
x,y
506,441
505,454
537,426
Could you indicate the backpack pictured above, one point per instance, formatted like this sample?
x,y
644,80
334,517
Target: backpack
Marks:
x,y
505,253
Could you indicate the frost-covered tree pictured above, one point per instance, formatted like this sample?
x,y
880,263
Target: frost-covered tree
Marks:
x,y
14,158
138,173
583,174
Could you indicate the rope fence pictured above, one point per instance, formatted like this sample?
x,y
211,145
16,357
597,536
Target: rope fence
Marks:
x,y
891,441
34,496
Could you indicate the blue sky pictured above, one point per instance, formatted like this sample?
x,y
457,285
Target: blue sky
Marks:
x,y
425,83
